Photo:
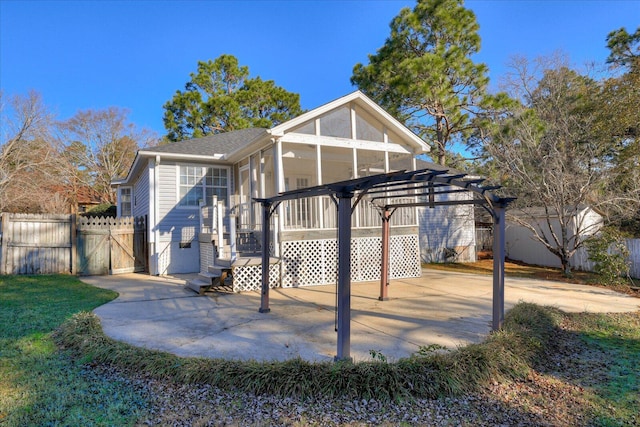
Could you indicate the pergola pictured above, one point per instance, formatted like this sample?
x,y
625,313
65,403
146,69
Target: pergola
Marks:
x,y
428,186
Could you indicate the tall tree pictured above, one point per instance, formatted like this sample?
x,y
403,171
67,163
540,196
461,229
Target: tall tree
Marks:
x,y
545,152
424,74
110,144
624,48
619,125
221,97
26,152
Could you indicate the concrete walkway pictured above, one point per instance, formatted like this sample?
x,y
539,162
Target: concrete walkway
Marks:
x,y
444,308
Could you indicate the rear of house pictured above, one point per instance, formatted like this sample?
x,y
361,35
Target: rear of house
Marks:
x,y
199,196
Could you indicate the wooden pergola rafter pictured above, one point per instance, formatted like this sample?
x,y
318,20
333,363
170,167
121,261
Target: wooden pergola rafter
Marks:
x,y
379,189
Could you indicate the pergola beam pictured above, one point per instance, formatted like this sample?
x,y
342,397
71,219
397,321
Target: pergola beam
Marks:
x,y
344,276
498,266
266,235
402,182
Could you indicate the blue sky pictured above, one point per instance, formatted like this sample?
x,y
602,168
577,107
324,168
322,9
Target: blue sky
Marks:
x,y
136,54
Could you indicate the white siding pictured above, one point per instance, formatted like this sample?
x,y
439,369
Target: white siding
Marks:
x,y
521,246
176,225
140,200
448,228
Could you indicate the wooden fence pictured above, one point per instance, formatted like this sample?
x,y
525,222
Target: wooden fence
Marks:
x,y
634,257
48,244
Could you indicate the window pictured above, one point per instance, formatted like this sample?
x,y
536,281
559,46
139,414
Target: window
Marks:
x,y
202,183
367,128
336,123
125,201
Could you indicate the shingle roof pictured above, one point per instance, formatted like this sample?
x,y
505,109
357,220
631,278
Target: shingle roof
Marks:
x,y
222,143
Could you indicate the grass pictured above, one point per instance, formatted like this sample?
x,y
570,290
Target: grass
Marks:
x,y
49,378
516,269
41,385
612,353
519,269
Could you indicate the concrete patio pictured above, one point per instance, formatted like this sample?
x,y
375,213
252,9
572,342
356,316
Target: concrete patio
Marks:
x,y
444,308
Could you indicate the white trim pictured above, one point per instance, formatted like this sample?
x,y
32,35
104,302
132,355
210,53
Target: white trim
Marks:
x,y
298,138
367,103
119,200
352,112
194,157
167,156
319,182
354,175
279,177
200,165
154,250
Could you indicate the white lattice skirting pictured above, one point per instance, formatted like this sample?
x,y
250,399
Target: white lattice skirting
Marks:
x,y
249,278
315,262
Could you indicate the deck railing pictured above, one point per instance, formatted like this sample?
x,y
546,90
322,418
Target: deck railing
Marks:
x,y
320,213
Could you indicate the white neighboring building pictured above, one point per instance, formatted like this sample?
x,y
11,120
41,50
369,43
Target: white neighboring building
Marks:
x,y
522,246
447,233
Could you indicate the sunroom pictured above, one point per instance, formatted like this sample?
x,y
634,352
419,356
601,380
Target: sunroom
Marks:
x,y
325,150
349,138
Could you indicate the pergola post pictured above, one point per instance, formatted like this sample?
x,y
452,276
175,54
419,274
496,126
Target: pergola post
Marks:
x,y
344,276
498,267
384,267
266,232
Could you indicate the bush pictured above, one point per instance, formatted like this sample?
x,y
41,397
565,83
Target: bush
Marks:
x,y
103,209
506,354
609,253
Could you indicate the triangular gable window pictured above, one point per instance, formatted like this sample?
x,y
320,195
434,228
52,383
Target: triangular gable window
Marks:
x,y
309,128
337,123
367,128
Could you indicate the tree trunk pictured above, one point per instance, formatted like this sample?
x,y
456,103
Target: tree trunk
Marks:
x,y
442,157
566,266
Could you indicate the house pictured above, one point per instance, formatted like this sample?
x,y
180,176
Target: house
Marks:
x,y
521,244
198,196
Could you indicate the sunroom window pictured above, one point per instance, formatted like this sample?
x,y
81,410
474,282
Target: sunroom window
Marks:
x,y
198,183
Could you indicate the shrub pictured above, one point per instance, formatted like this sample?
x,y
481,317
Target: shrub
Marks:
x,y
103,209
609,253
506,354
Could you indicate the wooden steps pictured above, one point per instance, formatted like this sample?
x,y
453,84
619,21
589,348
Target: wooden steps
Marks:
x,y
214,278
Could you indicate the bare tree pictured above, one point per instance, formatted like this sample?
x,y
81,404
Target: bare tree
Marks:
x,y
26,152
544,150
110,143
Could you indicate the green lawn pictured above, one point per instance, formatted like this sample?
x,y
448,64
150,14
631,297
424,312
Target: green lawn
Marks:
x,y
40,385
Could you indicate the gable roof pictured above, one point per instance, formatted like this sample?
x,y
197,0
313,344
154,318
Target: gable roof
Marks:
x,y
229,145
367,104
216,145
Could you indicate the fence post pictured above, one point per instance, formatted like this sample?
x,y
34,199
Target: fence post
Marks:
x,y
74,246
4,228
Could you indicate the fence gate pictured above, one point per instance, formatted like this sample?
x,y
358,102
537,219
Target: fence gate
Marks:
x,y
111,245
